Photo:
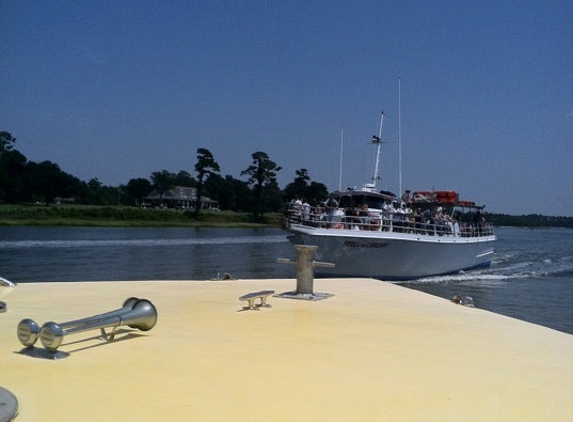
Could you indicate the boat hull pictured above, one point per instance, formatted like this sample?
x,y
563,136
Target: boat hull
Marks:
x,y
393,256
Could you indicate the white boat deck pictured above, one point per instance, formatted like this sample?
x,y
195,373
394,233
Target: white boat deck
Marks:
x,y
373,352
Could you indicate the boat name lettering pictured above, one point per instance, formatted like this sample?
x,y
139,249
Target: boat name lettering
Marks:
x,y
354,244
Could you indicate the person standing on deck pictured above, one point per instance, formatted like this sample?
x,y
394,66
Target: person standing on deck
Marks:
x,y
406,197
331,205
305,207
388,211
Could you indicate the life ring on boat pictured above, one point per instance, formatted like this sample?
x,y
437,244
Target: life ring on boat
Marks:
x,y
338,225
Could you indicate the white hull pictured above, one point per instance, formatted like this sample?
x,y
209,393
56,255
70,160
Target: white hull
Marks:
x,y
392,255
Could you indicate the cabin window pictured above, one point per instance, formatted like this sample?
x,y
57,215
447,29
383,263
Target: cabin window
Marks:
x,y
356,201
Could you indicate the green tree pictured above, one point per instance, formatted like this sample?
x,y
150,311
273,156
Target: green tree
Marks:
x,y
12,175
205,167
231,194
49,181
7,141
162,181
317,192
299,186
137,190
183,178
262,177
314,192
12,165
79,190
110,195
95,188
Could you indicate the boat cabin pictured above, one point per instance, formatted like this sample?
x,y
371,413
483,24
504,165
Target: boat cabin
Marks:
x,y
356,198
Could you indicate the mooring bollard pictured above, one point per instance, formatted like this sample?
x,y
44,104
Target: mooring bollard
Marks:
x,y
305,268
305,265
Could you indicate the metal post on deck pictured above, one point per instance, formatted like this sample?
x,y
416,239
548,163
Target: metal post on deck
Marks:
x,y
305,268
305,265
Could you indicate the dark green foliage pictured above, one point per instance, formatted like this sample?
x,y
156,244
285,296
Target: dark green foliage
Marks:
x,y
314,192
7,141
162,181
531,220
205,167
231,194
263,180
136,190
23,181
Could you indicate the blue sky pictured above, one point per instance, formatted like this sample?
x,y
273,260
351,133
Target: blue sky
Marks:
x,y
119,89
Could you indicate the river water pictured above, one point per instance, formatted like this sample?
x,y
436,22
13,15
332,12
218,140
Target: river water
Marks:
x,y
531,277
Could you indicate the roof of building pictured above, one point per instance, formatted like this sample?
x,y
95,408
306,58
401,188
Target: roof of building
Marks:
x,y
178,193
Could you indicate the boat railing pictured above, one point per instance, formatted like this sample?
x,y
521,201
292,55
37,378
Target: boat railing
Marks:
x,y
338,218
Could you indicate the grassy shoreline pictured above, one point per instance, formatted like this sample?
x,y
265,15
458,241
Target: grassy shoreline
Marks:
x,y
122,216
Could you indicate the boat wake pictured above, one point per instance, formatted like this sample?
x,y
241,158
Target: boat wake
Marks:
x,y
510,267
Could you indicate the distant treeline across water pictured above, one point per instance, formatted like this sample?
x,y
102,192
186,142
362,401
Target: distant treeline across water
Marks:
x,y
532,220
78,215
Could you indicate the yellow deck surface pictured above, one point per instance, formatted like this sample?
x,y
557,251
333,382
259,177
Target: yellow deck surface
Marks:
x,y
373,352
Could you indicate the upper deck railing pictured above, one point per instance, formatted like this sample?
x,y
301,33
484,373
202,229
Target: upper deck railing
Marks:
x,y
382,221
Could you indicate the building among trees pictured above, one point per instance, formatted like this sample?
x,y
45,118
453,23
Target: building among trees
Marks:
x,y
178,197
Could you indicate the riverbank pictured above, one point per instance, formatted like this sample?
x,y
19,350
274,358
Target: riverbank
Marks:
x,y
122,216
373,351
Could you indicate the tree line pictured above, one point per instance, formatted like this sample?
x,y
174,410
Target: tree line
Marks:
x,y
24,181
530,220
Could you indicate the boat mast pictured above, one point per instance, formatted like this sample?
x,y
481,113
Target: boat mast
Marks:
x,y
340,165
377,140
399,141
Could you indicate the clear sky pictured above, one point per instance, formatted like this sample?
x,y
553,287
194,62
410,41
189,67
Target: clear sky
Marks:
x,y
115,90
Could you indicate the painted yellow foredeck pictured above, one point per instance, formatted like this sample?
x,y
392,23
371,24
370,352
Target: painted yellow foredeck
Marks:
x,y
375,351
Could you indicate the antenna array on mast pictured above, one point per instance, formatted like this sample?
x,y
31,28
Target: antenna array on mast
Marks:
x,y
377,140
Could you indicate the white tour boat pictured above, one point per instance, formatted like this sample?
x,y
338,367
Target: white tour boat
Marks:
x,y
366,232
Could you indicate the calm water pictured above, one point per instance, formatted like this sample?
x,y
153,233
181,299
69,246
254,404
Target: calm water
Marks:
x,y
531,277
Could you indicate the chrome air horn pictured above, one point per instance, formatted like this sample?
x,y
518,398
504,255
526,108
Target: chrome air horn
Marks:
x,y
142,316
135,313
28,330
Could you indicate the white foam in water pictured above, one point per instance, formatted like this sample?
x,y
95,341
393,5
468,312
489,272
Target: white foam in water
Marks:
x,y
473,277
139,242
509,267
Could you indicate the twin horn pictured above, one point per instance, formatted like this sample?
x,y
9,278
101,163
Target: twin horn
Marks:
x,y
135,313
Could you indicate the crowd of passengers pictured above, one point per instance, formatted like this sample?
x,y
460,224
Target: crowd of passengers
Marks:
x,y
395,216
